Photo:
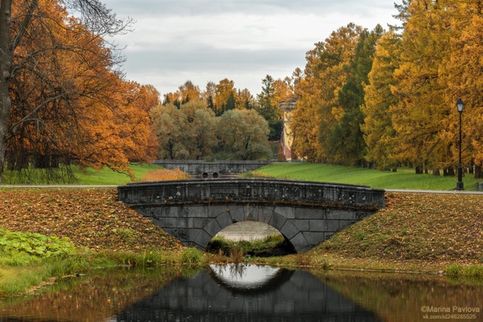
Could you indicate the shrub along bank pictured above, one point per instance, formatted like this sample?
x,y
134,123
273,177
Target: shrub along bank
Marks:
x,y
415,232
31,260
268,246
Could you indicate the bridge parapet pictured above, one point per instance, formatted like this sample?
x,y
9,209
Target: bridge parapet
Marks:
x,y
253,191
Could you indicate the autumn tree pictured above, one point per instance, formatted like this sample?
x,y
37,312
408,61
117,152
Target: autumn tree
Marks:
x,y
461,72
245,100
68,103
318,109
194,132
283,90
186,93
243,135
225,96
378,131
30,32
169,124
209,95
345,143
199,134
136,101
422,109
188,132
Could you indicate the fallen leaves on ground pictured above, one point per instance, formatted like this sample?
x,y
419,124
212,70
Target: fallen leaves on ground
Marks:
x,y
165,174
424,226
91,218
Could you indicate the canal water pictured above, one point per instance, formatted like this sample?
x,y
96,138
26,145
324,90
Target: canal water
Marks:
x,y
248,293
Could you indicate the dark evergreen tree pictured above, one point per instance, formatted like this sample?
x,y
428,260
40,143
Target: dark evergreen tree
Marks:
x,y
346,142
267,109
230,103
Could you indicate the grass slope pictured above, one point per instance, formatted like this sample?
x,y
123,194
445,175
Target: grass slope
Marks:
x,y
423,226
416,232
106,176
91,176
403,179
91,218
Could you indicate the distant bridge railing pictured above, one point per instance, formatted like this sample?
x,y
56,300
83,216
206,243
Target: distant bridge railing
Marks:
x,y
213,169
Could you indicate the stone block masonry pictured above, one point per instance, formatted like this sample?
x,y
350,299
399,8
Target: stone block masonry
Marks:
x,y
306,213
212,169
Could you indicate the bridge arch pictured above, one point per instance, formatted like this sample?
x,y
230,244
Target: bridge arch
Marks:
x,y
305,213
266,215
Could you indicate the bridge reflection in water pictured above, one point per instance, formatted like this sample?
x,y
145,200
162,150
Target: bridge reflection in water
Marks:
x,y
247,293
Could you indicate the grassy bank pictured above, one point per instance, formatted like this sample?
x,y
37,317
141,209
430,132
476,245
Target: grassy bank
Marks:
x,y
29,261
92,297
91,218
402,179
90,176
92,230
420,233
28,278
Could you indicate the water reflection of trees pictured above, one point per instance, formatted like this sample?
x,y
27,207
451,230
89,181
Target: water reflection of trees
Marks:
x,y
90,298
235,270
395,298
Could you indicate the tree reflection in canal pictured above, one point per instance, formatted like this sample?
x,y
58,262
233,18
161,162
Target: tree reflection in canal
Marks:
x,y
242,293
247,293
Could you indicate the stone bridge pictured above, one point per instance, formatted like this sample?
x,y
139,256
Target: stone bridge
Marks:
x,y
212,169
305,213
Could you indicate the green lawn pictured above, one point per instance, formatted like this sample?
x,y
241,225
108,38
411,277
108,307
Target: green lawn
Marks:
x,y
106,176
402,179
87,176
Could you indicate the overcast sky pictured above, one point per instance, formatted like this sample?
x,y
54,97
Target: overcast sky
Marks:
x,y
243,40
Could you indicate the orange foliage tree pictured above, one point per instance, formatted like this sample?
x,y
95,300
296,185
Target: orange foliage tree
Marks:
x,y
68,102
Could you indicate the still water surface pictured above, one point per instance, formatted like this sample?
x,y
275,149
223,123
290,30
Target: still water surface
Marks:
x,y
246,293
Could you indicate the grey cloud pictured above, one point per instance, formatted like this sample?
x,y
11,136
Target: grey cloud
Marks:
x,y
213,7
179,49
209,59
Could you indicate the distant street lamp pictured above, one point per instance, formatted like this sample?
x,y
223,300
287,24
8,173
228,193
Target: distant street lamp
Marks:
x,y
459,185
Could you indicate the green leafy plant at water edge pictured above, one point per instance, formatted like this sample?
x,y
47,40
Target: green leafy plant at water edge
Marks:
x,y
18,248
191,257
456,271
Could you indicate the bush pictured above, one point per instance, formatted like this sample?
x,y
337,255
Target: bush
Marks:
x,y
257,247
472,271
18,248
191,257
